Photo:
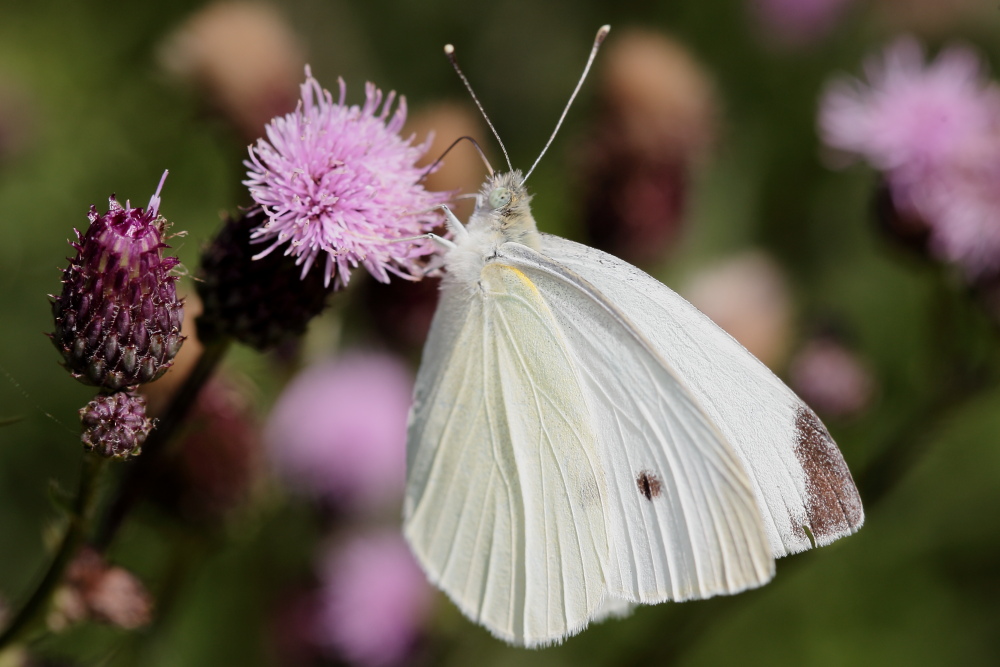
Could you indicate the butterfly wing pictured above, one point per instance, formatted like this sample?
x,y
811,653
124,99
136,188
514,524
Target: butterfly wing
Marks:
x,y
799,476
555,459
682,520
502,505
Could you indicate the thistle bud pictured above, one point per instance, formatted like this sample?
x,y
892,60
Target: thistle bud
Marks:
x,y
258,302
656,124
115,425
118,319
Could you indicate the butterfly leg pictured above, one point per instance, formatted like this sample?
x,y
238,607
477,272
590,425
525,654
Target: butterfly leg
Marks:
x,y
455,225
434,238
434,265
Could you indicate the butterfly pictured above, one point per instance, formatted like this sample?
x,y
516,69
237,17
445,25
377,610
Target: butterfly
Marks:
x,y
583,439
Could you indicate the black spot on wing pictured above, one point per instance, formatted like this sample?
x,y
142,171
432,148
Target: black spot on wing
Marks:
x,y
649,484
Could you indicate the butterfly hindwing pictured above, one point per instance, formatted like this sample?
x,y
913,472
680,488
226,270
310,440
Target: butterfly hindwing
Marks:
x,y
503,505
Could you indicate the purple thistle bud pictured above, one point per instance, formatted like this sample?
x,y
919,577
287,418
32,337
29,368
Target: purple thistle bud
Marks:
x,y
657,121
340,185
118,319
115,425
259,303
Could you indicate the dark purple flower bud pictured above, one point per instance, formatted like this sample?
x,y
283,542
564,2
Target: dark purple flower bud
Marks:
x,y
118,318
657,121
258,302
401,311
634,207
115,425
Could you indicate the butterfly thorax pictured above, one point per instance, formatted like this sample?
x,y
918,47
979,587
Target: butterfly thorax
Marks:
x,y
502,215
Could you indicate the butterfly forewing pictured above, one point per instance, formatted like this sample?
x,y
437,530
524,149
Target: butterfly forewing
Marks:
x,y
799,477
683,520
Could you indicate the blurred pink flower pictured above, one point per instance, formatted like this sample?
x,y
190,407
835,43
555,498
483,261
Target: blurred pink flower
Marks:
x,y
374,600
242,55
340,185
747,294
798,22
831,379
909,116
339,430
95,589
965,213
934,131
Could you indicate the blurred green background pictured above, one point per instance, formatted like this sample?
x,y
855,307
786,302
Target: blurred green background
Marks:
x,y
92,111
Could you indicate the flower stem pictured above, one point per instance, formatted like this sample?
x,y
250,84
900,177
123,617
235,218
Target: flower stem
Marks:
x,y
139,473
83,507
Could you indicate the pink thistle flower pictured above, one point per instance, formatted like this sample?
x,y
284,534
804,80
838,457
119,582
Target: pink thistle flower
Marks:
x,y
339,430
374,600
934,131
910,116
962,206
339,182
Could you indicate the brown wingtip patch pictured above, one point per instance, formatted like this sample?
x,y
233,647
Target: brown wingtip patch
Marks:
x,y
649,484
834,506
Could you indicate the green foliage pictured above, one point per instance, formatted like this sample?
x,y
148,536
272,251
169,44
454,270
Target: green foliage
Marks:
x,y
917,585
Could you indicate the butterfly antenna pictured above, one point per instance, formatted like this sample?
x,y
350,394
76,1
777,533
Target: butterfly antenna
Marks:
x,y
601,34
449,52
433,166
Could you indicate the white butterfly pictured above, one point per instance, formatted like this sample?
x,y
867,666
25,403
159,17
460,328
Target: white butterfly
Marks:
x,y
582,438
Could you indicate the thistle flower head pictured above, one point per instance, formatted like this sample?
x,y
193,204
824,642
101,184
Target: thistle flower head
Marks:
x,y
659,119
908,114
934,131
115,425
118,319
341,187
259,303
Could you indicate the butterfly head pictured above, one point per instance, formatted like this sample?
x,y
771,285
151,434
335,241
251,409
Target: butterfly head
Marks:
x,y
504,205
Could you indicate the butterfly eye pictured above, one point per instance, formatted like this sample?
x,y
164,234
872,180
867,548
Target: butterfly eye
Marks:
x,y
499,198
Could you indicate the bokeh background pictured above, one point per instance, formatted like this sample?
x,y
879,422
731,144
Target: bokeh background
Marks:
x,y
693,151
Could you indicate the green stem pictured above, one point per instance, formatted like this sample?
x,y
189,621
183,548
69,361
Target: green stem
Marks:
x,y
72,537
140,472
